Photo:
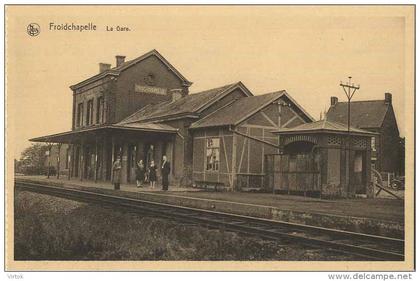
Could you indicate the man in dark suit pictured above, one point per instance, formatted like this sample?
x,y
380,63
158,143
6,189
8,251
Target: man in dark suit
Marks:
x,y
166,170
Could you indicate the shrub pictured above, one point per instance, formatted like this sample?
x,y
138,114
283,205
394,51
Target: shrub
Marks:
x,y
36,170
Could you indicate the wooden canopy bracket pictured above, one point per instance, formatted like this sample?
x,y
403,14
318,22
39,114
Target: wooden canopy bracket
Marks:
x,y
253,138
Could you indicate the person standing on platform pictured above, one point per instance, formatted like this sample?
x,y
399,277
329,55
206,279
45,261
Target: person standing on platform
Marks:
x,y
166,170
140,171
116,173
152,174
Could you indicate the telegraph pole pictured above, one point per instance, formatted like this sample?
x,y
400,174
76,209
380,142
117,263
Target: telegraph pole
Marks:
x,y
349,90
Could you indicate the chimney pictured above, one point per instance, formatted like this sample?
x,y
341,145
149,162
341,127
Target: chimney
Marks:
x,y
120,60
103,67
388,98
334,101
176,94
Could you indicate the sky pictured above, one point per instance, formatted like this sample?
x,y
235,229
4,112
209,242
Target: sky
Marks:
x,y
304,50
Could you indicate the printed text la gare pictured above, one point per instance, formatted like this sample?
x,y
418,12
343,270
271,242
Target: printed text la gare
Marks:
x,y
117,28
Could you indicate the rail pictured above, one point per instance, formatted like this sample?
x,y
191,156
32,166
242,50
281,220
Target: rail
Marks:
x,y
367,246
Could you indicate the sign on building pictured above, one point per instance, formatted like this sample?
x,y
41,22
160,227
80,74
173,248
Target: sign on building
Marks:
x,y
149,90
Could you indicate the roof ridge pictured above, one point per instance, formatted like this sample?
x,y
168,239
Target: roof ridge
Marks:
x,y
245,108
299,106
364,114
214,112
204,91
226,90
333,127
270,93
172,67
191,105
281,92
117,69
276,95
214,93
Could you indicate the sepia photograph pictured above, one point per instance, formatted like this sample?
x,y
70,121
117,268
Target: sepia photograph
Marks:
x,y
194,137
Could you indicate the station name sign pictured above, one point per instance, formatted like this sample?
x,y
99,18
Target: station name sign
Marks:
x,y
72,27
149,90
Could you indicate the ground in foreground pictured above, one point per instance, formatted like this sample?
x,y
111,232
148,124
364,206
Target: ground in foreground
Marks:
x,y
50,228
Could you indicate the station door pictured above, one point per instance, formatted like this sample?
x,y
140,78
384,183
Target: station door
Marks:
x,y
293,173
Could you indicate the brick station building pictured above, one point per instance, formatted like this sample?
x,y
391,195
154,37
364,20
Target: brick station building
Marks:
x,y
142,109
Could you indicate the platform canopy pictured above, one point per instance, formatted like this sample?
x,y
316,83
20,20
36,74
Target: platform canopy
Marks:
x,y
114,129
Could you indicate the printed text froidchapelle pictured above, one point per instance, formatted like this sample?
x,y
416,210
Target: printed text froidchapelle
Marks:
x,y
72,27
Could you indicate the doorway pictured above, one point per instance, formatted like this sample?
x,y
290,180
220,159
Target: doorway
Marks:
x,y
149,154
359,178
131,163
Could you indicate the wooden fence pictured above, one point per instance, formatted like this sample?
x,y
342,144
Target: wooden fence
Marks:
x,y
297,173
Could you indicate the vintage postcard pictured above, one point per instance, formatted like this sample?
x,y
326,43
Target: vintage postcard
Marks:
x,y
192,138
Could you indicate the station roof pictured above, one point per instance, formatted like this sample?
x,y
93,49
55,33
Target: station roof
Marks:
x,y
323,126
189,105
363,114
241,109
68,136
115,71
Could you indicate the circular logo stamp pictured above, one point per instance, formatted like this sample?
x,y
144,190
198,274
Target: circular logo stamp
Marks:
x,y
33,29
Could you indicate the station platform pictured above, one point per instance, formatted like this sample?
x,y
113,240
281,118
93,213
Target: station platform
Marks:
x,y
380,216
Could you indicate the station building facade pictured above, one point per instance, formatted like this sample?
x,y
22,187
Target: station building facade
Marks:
x,y
142,109
230,144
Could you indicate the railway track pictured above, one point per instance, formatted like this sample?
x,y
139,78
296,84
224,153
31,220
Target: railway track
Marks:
x,y
367,247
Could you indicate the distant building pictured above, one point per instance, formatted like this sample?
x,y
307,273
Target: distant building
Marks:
x,y
376,116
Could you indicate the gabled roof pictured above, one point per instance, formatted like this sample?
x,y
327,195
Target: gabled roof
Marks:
x,y
115,71
323,126
363,114
190,105
240,110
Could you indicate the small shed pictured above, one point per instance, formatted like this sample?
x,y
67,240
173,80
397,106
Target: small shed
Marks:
x,y
324,158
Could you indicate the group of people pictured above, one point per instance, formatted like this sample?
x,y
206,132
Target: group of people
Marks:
x,y
143,173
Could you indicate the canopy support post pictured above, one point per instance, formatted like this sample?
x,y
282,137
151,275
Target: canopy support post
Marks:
x,y
112,156
82,159
49,146
96,158
58,160
70,160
